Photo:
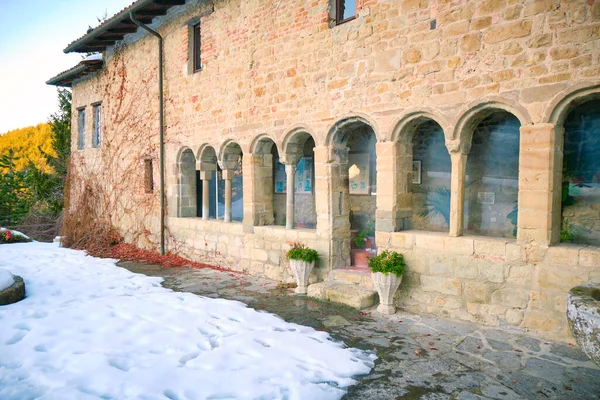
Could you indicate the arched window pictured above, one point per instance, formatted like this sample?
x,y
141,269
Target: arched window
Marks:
x,y
581,175
231,194
492,177
431,172
299,151
188,200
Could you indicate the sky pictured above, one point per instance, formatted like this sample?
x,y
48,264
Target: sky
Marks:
x,y
33,34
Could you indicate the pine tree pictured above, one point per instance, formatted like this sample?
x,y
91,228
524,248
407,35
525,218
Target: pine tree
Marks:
x,y
14,195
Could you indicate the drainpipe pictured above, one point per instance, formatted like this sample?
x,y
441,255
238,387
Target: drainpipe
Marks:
x,y
161,134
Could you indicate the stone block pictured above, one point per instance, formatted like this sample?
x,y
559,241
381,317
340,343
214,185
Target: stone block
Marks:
x,y
511,30
490,247
563,255
548,300
589,257
511,297
560,279
521,275
514,317
541,322
541,93
492,272
477,292
441,285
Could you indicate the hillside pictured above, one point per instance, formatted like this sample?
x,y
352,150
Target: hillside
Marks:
x,y
26,143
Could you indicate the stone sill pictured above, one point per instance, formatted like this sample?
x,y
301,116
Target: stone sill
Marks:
x,y
212,225
289,234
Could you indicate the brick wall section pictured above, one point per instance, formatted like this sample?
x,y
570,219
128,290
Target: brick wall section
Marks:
x,y
275,68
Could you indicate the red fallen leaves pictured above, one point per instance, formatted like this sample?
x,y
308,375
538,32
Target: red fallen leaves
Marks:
x,y
478,347
432,348
427,334
128,252
418,353
431,343
515,381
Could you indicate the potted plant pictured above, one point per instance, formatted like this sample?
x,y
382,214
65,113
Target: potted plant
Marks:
x,y
302,261
387,269
358,252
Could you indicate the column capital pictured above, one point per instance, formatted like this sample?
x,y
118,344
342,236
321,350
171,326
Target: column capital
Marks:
x,y
290,159
457,147
205,175
228,174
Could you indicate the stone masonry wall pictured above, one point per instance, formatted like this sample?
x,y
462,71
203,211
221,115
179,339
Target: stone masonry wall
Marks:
x,y
279,69
491,281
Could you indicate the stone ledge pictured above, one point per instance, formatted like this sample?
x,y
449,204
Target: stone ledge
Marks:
x,y
350,295
13,293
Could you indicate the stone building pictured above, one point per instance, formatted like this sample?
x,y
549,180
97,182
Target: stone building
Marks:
x,y
467,133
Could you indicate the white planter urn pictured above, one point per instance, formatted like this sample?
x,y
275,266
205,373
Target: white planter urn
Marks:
x,y
301,270
386,285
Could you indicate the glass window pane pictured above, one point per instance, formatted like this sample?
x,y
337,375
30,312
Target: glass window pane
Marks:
x,y
431,179
492,178
348,9
237,193
197,48
81,129
581,176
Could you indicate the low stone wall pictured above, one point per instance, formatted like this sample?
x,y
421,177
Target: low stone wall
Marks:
x,y
491,281
261,252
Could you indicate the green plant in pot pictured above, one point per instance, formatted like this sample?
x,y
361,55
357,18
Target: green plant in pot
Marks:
x,y
302,261
387,269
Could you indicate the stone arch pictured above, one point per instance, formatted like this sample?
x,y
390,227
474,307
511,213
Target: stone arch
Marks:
x,y
228,150
230,160
298,156
406,124
472,115
349,122
186,181
294,140
338,134
260,144
206,164
296,136
567,100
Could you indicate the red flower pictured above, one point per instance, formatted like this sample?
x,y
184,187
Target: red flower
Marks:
x,y
7,234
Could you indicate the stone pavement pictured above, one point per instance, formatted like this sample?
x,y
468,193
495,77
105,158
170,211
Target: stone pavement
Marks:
x,y
420,357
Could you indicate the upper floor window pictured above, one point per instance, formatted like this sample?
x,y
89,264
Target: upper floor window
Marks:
x,y
197,47
97,125
345,10
81,119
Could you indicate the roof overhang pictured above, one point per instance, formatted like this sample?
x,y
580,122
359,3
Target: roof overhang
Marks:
x,y
67,77
119,25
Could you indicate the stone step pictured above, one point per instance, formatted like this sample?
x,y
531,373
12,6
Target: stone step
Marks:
x,y
360,276
349,294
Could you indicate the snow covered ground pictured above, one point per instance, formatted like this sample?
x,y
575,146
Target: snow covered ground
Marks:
x,y
89,329
6,279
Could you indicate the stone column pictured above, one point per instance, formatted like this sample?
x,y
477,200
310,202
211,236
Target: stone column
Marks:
x,y
205,176
540,181
290,170
387,186
228,177
457,192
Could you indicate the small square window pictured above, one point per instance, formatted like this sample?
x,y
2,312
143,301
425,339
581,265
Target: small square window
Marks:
x,y
148,176
97,125
197,50
345,10
81,137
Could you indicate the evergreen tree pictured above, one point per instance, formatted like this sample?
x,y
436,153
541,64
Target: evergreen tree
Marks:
x,y
48,187
14,196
